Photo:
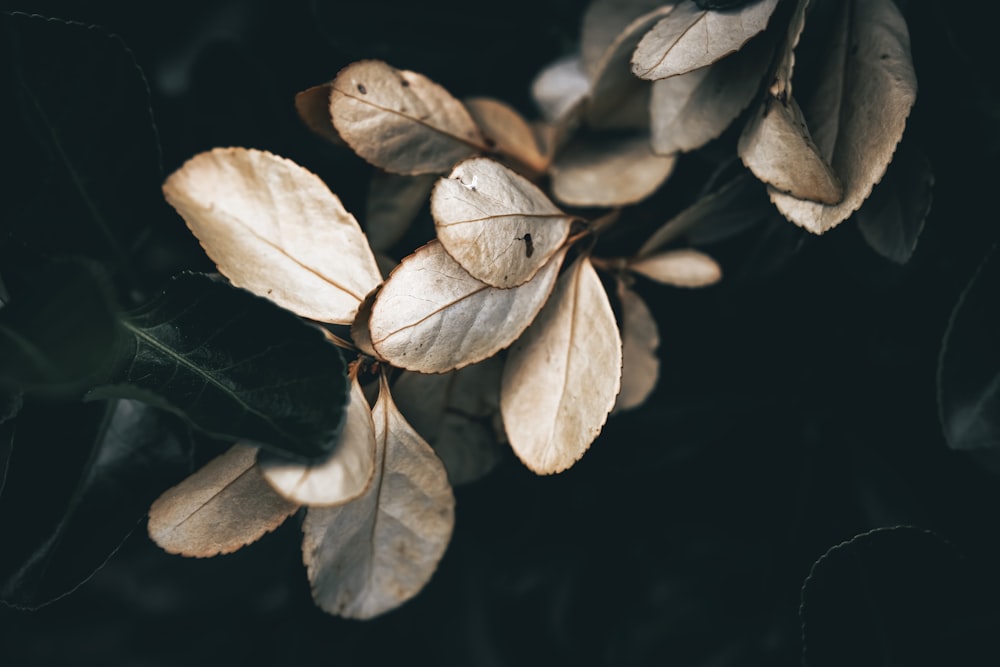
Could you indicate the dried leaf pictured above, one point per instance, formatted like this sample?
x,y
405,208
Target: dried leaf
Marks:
x,y
342,477
274,228
604,21
858,112
690,38
401,121
453,413
680,268
512,138
432,316
393,202
374,554
313,107
220,508
495,223
609,171
689,110
640,340
561,378
560,90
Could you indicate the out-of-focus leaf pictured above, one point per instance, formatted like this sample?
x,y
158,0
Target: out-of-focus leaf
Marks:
x,y
561,89
690,38
609,171
689,110
604,21
495,223
401,121
859,109
219,509
562,376
512,138
452,412
61,333
313,107
66,508
892,596
431,316
968,380
640,340
892,218
720,4
236,366
274,228
372,555
681,268
82,137
393,202
340,478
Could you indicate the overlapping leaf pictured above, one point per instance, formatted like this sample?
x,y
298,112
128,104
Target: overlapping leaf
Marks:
x,y
401,121
560,90
372,555
640,341
685,267
432,316
563,375
495,223
604,21
313,107
274,228
509,134
219,509
609,171
393,202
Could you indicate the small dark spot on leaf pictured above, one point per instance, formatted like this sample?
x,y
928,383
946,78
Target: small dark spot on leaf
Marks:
x,y
884,56
404,83
362,89
529,246
490,143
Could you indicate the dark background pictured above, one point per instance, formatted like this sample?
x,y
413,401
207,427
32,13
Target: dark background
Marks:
x,y
796,407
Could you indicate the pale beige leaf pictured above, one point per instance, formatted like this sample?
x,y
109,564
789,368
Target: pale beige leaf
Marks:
x,y
360,334
401,121
372,555
689,110
511,137
340,478
223,506
604,21
609,171
452,412
691,38
859,111
560,90
562,376
432,316
680,268
640,341
313,107
394,201
274,228
495,223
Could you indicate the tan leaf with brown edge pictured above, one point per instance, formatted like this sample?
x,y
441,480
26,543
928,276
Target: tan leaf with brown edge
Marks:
x,y
393,202
609,171
640,341
313,107
495,223
681,268
690,38
340,478
562,376
275,229
372,555
603,22
512,138
858,113
401,121
220,508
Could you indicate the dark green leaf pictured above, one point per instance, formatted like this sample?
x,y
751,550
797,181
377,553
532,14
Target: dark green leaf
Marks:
x,y
79,139
236,366
892,218
968,381
65,512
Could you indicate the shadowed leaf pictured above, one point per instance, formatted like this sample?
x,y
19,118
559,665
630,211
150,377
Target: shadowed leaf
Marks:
x,y
640,341
609,171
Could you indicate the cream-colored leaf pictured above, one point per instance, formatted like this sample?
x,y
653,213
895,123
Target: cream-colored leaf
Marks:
x,y
497,224
562,376
512,138
640,341
393,202
360,334
372,555
859,111
609,171
452,412
274,228
691,38
340,478
560,90
313,107
680,268
689,110
223,506
401,121
432,316
604,21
